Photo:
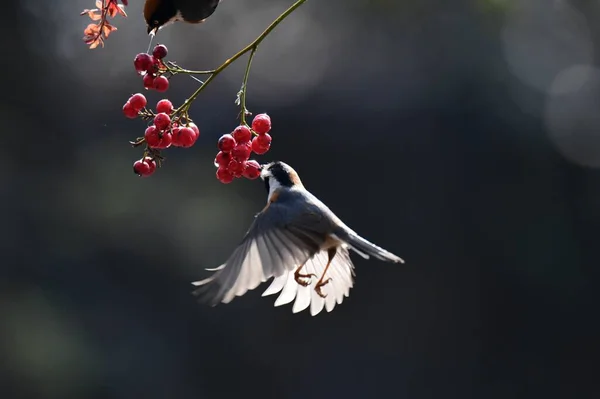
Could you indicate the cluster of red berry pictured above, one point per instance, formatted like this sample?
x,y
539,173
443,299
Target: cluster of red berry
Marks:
x,y
233,159
167,128
151,68
172,127
163,133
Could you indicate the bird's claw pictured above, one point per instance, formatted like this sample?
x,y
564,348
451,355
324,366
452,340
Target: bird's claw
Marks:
x,y
321,284
303,279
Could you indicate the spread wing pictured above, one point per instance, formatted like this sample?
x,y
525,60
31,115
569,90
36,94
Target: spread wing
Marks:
x,y
281,237
341,272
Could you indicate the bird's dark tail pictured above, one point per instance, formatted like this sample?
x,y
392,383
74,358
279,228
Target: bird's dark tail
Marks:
x,y
365,248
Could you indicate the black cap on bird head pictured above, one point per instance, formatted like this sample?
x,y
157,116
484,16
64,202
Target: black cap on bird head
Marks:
x,y
281,172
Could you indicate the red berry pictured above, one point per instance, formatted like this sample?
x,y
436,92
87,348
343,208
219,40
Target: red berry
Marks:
x,y
261,123
224,175
175,132
236,168
193,126
241,152
185,137
151,136
162,121
154,66
166,140
141,168
165,106
226,143
142,62
148,81
161,84
160,51
144,167
264,139
242,134
252,170
155,139
261,144
152,164
138,101
129,111
222,159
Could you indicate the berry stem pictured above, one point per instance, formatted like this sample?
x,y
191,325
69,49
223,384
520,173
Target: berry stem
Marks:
x,y
183,109
242,95
174,68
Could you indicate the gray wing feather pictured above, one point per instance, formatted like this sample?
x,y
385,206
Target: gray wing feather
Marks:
x,y
280,238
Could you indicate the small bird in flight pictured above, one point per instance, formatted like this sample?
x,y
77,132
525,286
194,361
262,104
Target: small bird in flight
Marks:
x,y
297,240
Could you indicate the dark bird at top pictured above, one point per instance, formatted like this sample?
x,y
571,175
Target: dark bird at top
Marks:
x,y
159,13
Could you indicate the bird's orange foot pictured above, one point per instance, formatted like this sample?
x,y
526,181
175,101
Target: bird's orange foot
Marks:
x,y
322,284
303,279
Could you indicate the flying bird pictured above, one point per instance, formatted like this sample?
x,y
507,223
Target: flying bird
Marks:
x,y
297,240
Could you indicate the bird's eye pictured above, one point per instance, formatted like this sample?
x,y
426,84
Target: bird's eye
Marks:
x,y
267,184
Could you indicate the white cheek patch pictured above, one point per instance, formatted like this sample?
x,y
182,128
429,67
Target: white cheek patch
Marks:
x,y
273,186
265,172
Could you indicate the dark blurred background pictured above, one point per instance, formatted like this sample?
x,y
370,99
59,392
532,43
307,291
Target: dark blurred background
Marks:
x,y
462,135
